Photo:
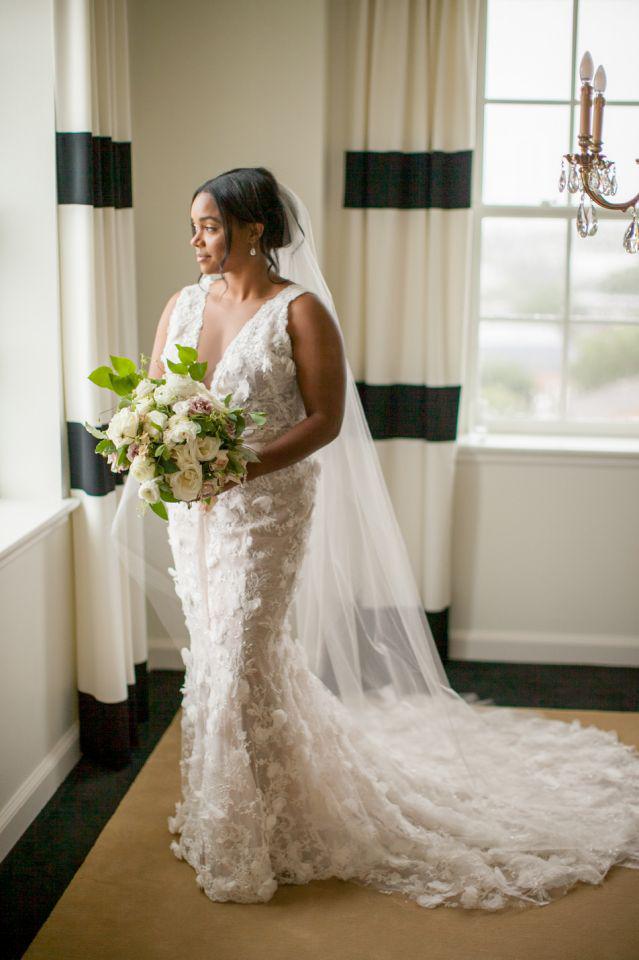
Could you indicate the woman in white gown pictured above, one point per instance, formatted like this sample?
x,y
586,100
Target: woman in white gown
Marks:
x,y
290,771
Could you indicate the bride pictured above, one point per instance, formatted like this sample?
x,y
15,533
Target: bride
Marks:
x,y
320,736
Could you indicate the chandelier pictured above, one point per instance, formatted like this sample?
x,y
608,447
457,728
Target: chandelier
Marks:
x,y
590,171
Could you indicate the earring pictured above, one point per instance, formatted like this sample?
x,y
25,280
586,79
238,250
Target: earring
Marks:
x,y
252,251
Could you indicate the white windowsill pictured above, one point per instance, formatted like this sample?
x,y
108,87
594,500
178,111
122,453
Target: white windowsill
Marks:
x,y
23,522
527,448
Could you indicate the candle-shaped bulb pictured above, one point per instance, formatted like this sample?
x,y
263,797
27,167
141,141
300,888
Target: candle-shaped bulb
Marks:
x,y
587,66
600,79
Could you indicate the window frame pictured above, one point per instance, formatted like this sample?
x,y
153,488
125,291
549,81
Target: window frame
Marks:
x,y
520,426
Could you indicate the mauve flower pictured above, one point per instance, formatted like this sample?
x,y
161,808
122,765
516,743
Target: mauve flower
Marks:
x,y
111,458
200,405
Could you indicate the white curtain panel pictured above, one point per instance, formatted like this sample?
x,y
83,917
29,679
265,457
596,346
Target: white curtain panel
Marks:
x,y
401,132
98,304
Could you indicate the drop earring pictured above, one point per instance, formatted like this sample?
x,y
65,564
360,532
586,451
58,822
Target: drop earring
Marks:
x,y
252,251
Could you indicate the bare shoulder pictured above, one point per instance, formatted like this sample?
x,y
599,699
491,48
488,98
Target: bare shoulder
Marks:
x,y
309,318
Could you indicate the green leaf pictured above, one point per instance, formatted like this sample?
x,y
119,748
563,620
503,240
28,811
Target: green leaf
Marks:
x,y
258,416
98,434
249,454
122,365
197,370
227,399
159,450
186,354
170,467
122,385
105,446
160,509
177,367
122,457
167,494
101,376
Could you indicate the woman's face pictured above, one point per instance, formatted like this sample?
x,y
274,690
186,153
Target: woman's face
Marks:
x,y
208,236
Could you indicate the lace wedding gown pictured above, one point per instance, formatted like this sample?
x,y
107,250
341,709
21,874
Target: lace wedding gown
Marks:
x,y
281,783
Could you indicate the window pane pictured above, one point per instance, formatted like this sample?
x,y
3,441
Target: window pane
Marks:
x,y
509,246
523,147
516,32
603,380
520,369
604,281
609,29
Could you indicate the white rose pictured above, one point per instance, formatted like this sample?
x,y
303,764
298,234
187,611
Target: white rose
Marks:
x,y
123,426
142,469
144,388
186,484
179,429
184,454
149,491
155,422
207,447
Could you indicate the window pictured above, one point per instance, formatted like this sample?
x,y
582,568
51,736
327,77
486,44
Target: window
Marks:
x,y
556,338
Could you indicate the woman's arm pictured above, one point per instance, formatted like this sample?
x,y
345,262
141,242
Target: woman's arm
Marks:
x,y
156,367
318,351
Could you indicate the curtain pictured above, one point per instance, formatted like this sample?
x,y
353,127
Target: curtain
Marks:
x,y
98,307
401,105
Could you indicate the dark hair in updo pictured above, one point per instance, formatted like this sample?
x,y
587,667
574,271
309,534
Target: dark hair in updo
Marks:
x,y
250,195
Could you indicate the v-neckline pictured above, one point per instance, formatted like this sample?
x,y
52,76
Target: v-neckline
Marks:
x,y
246,323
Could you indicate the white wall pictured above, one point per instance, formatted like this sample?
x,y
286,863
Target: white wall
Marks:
x,y
546,557
29,314
38,696
217,85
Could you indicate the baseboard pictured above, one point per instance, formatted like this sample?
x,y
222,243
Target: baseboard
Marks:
x,y
36,791
509,646
505,646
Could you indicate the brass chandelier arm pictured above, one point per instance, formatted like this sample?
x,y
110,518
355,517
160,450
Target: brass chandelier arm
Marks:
x,y
579,159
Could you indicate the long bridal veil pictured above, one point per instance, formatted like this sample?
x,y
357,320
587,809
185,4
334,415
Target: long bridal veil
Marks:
x,y
511,781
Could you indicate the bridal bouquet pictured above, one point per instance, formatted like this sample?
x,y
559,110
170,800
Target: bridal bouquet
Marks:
x,y
175,437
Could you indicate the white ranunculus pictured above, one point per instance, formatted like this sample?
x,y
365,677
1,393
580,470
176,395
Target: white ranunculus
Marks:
x,y
149,491
144,388
181,407
179,429
207,447
186,484
142,469
123,426
155,422
144,405
179,387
